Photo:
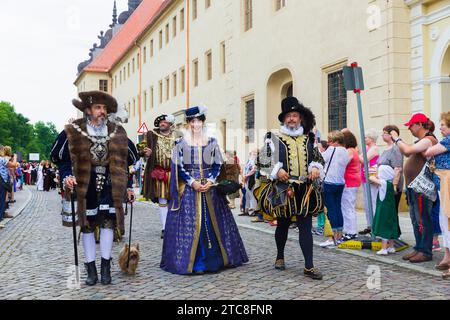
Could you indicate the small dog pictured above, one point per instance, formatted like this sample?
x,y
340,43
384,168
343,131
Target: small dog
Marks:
x,y
134,259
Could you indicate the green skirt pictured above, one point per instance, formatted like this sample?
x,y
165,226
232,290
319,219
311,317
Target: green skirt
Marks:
x,y
385,222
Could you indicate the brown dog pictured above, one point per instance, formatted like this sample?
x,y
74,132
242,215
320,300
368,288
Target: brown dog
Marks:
x,y
134,259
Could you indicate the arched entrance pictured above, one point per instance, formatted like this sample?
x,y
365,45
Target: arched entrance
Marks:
x,y
440,76
279,86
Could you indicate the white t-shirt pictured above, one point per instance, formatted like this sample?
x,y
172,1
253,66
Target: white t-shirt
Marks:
x,y
336,169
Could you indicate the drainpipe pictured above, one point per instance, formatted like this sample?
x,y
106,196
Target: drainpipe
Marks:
x,y
140,82
188,64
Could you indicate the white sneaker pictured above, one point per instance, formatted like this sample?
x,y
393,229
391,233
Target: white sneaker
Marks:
x,y
383,252
327,243
391,250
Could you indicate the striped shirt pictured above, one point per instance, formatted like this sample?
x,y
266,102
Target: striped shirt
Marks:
x,y
4,172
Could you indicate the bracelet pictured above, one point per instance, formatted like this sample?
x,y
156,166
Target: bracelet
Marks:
x,y
397,140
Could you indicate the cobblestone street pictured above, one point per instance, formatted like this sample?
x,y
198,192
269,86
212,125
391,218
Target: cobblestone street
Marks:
x,y
36,253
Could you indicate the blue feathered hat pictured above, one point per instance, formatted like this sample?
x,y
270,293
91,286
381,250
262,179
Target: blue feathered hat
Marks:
x,y
196,112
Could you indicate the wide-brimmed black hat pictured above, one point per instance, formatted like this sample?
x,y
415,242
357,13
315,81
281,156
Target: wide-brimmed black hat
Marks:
x,y
90,98
169,118
291,104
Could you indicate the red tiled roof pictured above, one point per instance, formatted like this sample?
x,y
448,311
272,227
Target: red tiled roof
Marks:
x,y
145,14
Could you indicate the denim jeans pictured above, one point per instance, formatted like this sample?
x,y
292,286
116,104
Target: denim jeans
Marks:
x,y
421,221
333,198
2,202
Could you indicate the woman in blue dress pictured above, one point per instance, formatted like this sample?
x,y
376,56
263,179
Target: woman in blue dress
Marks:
x,y
201,234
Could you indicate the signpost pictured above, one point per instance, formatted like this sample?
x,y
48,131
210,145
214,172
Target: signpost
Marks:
x,y
354,81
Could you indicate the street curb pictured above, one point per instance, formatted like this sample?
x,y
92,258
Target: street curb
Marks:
x,y
356,253
21,208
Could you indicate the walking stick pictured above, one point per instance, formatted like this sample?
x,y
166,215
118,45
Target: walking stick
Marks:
x,y
129,237
74,229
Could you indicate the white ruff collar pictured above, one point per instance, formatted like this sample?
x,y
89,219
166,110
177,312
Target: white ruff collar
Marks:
x,y
292,132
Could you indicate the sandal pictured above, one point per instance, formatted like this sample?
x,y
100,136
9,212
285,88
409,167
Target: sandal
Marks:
x,y
442,266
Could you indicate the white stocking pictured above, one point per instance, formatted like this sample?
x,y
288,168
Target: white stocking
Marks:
x,y
163,209
106,243
89,246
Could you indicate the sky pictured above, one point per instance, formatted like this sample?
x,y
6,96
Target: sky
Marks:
x,y
41,44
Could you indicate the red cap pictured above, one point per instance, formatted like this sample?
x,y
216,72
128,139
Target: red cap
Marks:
x,y
417,118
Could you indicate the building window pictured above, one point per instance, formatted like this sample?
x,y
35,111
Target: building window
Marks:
x,y
337,102
248,15
194,9
120,76
250,121
134,107
151,48
133,62
138,61
160,92
124,74
160,39
223,62
208,57
182,20
167,33
207,4
129,110
145,54
195,72
103,85
174,27
279,4
152,104
167,88
183,79
115,81
174,80
128,69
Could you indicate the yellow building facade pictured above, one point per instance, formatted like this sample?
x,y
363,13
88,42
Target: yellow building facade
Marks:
x,y
242,57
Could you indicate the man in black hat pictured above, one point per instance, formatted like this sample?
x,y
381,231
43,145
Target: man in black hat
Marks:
x,y
93,155
158,151
295,165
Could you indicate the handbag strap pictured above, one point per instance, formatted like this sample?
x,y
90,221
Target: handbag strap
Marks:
x,y
329,163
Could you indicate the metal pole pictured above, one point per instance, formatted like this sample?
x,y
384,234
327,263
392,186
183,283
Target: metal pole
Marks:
x,y
364,151
74,231
129,237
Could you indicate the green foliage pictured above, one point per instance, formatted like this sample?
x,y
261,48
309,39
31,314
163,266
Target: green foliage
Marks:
x,y
17,132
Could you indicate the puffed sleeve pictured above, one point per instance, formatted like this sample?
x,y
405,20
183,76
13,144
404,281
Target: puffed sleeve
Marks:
x,y
217,161
60,155
178,160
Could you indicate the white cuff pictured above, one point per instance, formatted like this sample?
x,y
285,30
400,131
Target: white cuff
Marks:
x,y
274,174
319,166
191,181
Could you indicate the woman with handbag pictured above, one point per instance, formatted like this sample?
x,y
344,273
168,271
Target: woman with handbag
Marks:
x,y
200,233
441,177
336,160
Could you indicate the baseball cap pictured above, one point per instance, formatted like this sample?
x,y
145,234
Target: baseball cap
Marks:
x,y
417,118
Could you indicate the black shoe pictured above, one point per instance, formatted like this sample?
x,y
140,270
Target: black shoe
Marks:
x,y
105,272
365,231
280,264
162,234
313,274
92,277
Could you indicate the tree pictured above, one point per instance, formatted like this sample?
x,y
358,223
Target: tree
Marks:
x,y
23,137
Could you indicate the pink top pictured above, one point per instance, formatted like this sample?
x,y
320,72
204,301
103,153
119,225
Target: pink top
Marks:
x,y
353,171
372,163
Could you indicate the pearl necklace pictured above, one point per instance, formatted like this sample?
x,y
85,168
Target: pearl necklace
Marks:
x,y
95,140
